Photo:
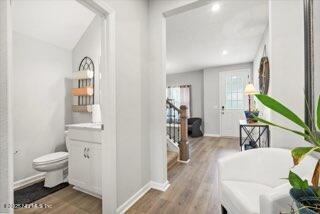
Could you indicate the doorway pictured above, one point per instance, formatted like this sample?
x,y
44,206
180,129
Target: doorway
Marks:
x,y
232,100
107,68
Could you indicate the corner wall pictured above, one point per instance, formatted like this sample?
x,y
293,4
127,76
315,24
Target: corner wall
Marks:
x,y
41,104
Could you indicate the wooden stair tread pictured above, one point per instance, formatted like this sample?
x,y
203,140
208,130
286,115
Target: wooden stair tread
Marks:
x,y
172,158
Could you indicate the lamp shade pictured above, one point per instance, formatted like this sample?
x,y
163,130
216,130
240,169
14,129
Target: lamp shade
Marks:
x,y
250,90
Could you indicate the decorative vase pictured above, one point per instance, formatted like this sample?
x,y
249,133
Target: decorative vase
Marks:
x,y
250,115
303,198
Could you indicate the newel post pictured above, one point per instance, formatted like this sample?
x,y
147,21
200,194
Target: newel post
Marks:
x,y
184,145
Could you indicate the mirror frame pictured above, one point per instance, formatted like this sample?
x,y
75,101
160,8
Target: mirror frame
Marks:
x,y
309,63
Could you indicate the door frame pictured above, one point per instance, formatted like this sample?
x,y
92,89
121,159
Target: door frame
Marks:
x,y
108,104
159,149
6,144
220,85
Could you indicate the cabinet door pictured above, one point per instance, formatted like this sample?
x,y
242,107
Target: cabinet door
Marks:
x,y
95,167
78,164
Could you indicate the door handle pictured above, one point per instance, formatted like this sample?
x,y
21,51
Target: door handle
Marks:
x,y
84,152
222,109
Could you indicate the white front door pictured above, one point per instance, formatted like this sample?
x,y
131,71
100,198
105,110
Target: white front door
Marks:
x,y
232,100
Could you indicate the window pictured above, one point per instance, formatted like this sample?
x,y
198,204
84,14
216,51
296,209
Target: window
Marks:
x,y
180,95
234,93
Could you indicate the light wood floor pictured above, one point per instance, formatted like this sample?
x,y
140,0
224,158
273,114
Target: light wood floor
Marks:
x,y
67,201
193,187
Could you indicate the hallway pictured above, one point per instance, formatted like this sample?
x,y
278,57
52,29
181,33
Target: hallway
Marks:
x,y
193,187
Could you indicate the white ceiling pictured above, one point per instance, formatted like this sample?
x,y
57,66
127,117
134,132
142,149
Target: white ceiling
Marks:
x,y
197,38
58,22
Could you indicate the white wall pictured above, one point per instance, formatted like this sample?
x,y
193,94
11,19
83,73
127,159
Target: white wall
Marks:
x,y
195,79
40,100
89,45
133,151
287,65
211,96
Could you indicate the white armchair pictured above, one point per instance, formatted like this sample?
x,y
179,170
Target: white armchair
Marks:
x,y
251,181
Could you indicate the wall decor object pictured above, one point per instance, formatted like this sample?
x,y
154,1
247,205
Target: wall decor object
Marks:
x,y
264,73
84,108
85,89
87,74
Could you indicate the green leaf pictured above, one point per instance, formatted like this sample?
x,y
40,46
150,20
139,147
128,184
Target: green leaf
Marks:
x,y
318,113
282,127
296,182
299,153
281,109
317,191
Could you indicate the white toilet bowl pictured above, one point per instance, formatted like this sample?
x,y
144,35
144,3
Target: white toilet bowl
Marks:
x,y
54,164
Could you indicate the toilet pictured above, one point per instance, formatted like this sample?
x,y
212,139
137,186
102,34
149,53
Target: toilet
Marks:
x,y
55,165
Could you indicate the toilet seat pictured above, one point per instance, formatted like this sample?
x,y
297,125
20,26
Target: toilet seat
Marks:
x,y
51,158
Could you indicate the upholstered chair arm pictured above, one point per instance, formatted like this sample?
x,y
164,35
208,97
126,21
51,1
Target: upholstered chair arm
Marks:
x,y
277,201
264,166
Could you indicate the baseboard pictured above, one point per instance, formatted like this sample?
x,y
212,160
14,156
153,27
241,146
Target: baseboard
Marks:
x,y
87,192
211,135
133,199
159,186
28,181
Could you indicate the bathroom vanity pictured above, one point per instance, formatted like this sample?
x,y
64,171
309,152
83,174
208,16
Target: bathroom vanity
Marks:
x,y
84,146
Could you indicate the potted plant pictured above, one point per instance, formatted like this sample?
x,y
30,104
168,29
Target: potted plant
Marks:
x,y
305,195
252,114
252,111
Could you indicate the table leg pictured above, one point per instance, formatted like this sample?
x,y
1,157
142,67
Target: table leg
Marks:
x,y
240,137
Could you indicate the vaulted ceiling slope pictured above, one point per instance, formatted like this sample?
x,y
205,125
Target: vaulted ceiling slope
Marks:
x,y
229,33
58,22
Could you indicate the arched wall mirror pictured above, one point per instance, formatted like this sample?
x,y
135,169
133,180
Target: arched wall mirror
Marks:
x,y
312,58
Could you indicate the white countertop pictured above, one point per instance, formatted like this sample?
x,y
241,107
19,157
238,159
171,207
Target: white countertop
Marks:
x,y
95,126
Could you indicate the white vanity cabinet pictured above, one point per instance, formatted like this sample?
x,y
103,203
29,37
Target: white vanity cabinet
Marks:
x,y
84,170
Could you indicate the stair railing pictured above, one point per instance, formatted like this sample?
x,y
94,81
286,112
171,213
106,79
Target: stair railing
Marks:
x,y
177,128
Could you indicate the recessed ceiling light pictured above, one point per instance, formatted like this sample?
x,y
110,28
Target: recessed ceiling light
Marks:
x,y
224,52
215,7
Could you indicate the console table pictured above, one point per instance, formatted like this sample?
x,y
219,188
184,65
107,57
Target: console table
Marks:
x,y
253,135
